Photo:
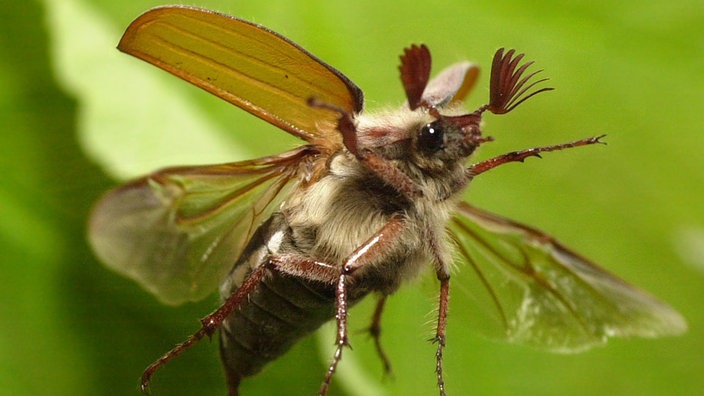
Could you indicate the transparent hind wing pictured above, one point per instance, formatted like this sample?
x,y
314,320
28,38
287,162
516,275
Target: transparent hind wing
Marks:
x,y
521,285
177,232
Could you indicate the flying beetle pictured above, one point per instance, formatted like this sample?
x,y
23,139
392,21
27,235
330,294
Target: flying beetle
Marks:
x,y
370,201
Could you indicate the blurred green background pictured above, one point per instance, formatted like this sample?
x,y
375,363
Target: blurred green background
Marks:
x,y
77,116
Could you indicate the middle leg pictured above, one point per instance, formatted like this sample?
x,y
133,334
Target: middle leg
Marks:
x,y
369,252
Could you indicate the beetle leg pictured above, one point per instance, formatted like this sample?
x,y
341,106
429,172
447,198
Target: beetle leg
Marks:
x,y
442,270
391,174
209,324
520,156
365,254
303,267
440,330
293,265
375,332
382,167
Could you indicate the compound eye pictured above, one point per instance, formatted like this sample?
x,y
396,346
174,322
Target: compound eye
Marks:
x,y
431,137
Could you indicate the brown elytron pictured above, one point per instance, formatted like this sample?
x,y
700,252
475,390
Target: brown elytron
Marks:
x,y
294,240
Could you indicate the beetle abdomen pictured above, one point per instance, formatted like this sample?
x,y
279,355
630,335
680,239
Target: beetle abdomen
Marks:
x,y
280,311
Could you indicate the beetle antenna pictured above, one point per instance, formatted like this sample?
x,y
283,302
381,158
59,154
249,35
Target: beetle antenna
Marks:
x,y
508,87
415,73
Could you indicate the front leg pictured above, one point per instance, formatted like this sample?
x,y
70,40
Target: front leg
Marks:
x,y
369,252
391,175
382,167
520,156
